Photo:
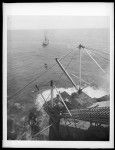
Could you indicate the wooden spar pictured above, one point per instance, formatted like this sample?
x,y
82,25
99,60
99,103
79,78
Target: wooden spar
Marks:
x,y
63,101
43,130
40,93
51,84
66,73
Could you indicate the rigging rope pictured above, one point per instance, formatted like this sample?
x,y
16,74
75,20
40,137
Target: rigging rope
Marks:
x,y
43,99
61,74
96,50
95,61
81,79
50,118
99,55
43,130
20,90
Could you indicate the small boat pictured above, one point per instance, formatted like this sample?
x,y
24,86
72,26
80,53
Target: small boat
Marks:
x,y
45,42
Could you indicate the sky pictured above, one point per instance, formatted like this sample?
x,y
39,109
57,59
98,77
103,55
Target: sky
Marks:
x,y
56,22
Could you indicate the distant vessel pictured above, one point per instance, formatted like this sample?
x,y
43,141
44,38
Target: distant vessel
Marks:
x,y
45,42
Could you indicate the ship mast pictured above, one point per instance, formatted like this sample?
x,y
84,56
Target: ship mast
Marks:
x,y
80,89
79,67
66,73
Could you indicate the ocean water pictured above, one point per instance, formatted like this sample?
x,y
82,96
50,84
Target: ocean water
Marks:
x,y
26,58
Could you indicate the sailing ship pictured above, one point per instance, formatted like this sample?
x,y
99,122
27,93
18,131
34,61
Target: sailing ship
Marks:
x,y
45,41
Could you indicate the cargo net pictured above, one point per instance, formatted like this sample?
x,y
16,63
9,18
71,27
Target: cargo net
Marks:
x,y
98,116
